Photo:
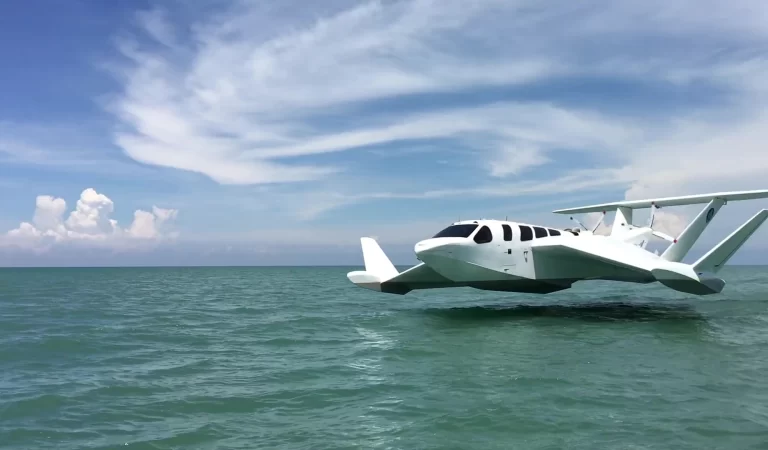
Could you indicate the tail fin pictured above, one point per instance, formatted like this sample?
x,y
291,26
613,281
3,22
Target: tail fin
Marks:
x,y
680,247
378,268
376,262
716,258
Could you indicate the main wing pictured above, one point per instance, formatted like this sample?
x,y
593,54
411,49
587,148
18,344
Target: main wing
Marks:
x,y
591,258
419,276
667,201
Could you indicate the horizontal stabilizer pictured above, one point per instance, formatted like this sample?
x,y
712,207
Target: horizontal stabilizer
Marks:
x,y
668,201
716,258
419,276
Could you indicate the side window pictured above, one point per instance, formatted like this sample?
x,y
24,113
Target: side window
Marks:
x,y
484,235
554,232
540,232
525,233
507,232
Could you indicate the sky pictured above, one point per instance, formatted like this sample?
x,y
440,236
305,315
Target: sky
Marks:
x,y
279,132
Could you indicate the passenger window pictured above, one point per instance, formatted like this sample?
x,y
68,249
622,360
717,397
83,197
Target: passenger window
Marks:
x,y
554,232
540,232
507,232
484,235
525,233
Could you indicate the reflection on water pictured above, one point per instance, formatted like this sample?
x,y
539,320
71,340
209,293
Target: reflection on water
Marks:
x,y
616,311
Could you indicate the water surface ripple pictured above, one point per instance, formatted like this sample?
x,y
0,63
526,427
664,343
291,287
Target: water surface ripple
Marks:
x,y
297,358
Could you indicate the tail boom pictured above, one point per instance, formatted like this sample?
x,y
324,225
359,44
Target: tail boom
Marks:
x,y
716,258
699,278
683,278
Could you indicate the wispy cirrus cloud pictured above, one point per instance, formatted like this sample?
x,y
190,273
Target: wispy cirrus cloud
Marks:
x,y
248,98
237,103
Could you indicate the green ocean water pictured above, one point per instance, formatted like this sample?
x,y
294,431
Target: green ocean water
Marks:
x,y
298,358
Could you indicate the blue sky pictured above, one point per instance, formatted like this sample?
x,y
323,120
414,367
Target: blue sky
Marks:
x,y
234,132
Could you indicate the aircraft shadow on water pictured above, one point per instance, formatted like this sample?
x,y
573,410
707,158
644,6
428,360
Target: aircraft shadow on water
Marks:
x,y
597,312
509,256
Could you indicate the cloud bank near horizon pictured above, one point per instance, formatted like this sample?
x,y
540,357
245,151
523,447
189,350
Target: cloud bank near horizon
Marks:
x,y
89,224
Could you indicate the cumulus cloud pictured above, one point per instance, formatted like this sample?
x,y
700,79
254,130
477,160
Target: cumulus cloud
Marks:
x,y
49,212
91,216
90,221
149,225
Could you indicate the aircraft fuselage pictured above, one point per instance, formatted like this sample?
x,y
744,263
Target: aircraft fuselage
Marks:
x,y
518,257
498,255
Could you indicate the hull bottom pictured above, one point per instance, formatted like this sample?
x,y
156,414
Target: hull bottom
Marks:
x,y
522,286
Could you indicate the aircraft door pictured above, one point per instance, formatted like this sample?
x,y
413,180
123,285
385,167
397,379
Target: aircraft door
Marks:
x,y
524,267
507,249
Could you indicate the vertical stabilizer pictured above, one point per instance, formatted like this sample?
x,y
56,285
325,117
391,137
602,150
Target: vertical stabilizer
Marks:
x,y
622,221
680,247
716,258
376,262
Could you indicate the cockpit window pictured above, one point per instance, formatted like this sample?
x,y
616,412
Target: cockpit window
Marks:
x,y
463,230
484,235
540,232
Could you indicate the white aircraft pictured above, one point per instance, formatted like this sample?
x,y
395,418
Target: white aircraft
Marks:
x,y
516,257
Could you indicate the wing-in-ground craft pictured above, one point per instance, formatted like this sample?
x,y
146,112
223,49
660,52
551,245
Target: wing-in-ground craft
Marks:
x,y
516,257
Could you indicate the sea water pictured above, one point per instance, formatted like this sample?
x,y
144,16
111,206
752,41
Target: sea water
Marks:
x,y
299,358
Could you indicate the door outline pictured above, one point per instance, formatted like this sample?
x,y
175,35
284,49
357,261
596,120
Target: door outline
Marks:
x,y
508,258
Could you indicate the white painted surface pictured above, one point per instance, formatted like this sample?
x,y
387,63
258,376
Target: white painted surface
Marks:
x,y
547,262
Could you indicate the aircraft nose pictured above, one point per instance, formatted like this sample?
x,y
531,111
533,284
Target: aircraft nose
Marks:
x,y
426,246
429,247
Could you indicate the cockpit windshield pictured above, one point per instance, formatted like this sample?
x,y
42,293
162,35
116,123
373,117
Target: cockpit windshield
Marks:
x,y
463,230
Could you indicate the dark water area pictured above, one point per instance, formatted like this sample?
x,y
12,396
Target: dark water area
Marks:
x,y
298,358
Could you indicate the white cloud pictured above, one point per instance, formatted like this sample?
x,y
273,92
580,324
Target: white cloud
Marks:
x,y
251,91
155,22
243,100
670,223
91,215
268,93
25,230
513,159
89,222
149,225
49,212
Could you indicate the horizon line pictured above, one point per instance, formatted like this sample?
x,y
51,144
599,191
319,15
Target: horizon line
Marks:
x,y
210,266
